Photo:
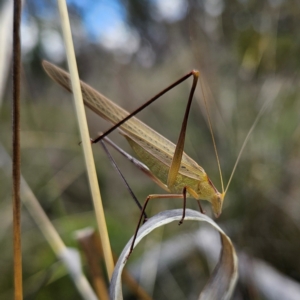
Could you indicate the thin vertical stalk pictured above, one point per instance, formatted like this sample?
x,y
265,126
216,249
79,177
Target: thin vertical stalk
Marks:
x,y
18,287
85,137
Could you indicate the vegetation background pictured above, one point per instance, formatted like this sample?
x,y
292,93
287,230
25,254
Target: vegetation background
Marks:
x,y
248,54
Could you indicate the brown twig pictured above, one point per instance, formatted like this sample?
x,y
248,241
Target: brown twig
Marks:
x,y
86,238
16,151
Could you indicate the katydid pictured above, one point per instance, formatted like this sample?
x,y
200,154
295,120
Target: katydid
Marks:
x,y
166,163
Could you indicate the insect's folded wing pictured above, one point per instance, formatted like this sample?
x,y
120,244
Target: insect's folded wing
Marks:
x,y
152,148
159,161
94,100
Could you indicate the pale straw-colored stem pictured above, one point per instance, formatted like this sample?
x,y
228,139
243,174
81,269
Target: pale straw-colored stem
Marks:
x,y
85,137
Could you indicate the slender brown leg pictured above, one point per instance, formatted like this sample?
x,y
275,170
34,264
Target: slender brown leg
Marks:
x,y
184,206
158,196
138,226
176,161
200,207
123,178
193,73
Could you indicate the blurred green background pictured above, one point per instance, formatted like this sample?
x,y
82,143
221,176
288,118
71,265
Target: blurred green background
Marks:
x,y
247,53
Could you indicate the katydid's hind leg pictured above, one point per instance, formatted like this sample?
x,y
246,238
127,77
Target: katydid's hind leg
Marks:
x,y
193,73
150,197
184,206
200,207
176,161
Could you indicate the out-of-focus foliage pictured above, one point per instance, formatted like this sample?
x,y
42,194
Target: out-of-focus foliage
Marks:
x,y
247,52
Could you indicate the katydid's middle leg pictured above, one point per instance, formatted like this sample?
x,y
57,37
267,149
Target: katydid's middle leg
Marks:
x,y
160,196
200,207
150,197
184,205
123,178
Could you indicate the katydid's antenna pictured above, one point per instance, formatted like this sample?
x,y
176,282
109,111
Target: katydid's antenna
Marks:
x,y
260,113
212,135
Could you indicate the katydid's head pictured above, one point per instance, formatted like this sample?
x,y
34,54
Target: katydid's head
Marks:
x,y
207,191
217,203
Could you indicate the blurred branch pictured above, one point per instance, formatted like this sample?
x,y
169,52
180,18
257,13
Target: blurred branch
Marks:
x,y
268,281
68,255
6,43
86,237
